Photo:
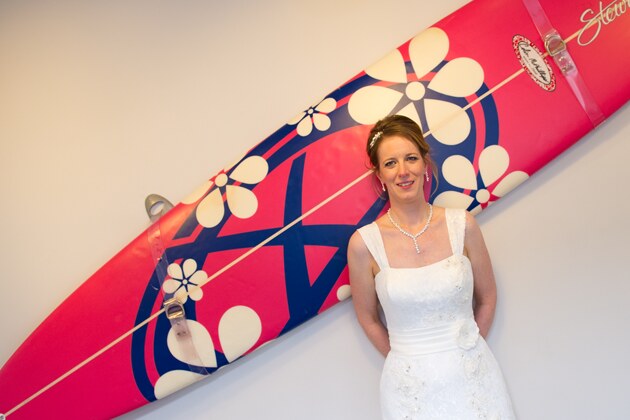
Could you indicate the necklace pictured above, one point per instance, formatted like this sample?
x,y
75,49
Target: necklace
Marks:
x,y
404,232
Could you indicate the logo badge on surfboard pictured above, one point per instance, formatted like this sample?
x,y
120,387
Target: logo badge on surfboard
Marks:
x,y
534,63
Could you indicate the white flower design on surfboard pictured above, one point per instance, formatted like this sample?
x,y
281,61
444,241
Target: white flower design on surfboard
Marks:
x,y
458,78
240,328
240,200
314,116
185,281
460,172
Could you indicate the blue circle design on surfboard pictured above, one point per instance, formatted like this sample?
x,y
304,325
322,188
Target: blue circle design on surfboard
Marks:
x,y
304,297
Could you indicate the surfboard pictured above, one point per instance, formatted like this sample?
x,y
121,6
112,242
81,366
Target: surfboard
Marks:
x,y
259,248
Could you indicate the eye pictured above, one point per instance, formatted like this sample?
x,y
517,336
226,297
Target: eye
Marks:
x,y
412,158
389,163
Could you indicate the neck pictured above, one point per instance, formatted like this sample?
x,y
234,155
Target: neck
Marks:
x,y
411,215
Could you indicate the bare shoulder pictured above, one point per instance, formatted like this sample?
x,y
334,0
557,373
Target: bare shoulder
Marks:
x,y
472,227
361,264
473,238
356,245
358,252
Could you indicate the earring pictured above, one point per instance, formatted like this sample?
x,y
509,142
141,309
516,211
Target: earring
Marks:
x,y
426,175
383,185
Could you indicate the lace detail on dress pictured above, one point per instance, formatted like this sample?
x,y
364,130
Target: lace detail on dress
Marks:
x,y
452,385
409,386
486,388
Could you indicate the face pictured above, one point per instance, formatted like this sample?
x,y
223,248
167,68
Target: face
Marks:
x,y
401,168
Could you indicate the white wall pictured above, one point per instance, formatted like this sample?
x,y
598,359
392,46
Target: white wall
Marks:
x,y
102,103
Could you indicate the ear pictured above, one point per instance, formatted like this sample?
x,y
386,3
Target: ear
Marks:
x,y
377,174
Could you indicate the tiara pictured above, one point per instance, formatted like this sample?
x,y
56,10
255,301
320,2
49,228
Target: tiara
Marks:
x,y
375,138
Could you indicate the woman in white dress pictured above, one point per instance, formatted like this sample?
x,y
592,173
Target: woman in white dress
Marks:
x,y
429,268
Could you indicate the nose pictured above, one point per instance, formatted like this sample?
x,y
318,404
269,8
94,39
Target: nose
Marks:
x,y
403,170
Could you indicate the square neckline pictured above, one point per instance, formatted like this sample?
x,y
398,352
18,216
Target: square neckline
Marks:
x,y
381,244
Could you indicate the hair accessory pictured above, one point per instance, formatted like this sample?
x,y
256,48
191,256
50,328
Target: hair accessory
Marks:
x,y
410,235
375,138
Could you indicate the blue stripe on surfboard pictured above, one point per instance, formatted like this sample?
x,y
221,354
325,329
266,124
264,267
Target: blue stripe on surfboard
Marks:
x,y
304,300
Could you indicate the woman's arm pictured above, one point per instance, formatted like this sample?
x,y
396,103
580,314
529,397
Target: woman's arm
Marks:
x,y
360,265
485,289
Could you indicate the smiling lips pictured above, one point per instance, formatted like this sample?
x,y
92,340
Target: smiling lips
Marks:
x,y
405,184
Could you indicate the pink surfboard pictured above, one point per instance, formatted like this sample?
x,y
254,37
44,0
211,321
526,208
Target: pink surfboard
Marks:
x,y
260,247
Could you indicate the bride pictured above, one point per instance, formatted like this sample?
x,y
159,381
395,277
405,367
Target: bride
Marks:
x,y
429,268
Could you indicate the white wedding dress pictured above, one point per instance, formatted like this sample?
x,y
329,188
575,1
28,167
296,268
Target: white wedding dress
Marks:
x,y
439,367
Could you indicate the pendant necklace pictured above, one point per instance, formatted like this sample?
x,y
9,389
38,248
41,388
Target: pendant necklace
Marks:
x,y
404,232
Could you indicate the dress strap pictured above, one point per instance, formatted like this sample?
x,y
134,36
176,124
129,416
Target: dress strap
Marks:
x,y
456,224
371,235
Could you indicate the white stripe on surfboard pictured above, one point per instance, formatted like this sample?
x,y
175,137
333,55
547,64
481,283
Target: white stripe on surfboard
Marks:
x,y
216,274
267,240
85,362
